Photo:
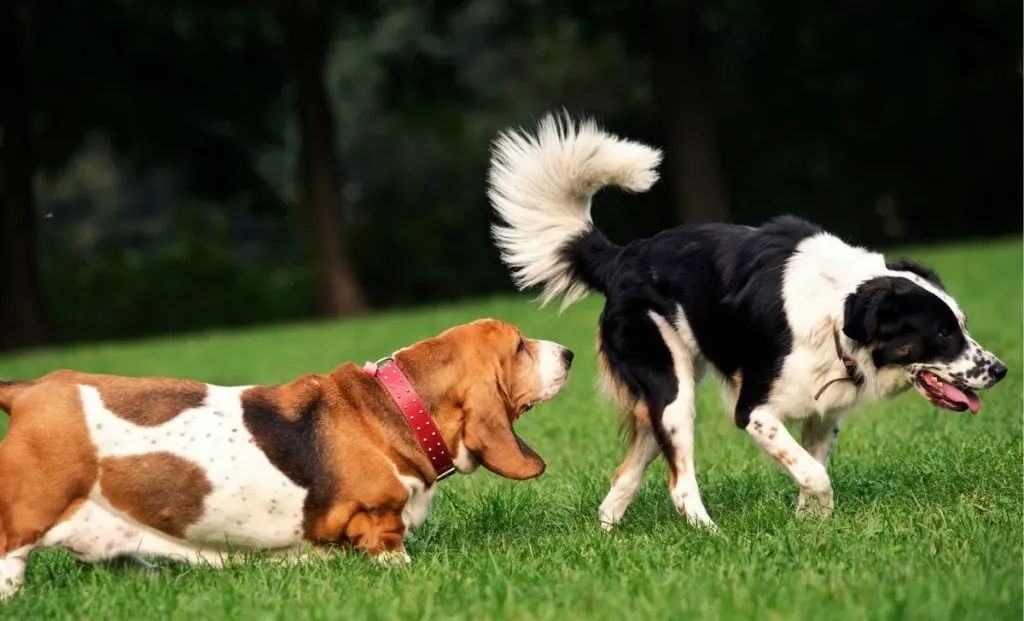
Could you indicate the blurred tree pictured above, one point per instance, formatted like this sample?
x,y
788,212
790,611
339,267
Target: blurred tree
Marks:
x,y
338,293
671,37
22,318
677,45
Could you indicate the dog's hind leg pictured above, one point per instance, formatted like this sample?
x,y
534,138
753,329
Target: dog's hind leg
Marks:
x,y
46,463
677,422
649,357
628,476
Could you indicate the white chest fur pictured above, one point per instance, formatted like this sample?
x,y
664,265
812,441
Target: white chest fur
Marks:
x,y
418,504
251,503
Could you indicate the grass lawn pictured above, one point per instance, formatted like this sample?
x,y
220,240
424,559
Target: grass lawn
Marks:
x,y
928,521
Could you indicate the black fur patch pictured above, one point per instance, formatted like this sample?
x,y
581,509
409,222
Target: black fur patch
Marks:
x,y
291,445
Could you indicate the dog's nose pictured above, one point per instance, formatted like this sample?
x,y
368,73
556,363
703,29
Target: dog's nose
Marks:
x,y
998,371
567,355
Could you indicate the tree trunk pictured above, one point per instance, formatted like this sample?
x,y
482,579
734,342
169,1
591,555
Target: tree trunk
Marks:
x,y
685,108
337,291
22,321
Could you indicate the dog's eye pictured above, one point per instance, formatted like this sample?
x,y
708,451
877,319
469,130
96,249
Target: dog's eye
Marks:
x,y
521,347
945,333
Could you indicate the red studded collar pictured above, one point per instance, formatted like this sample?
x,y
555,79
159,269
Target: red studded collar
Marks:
x,y
415,413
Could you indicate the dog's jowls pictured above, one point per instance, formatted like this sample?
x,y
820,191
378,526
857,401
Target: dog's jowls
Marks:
x,y
776,312
108,466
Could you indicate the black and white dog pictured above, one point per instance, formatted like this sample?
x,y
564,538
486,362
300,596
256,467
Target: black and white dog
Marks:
x,y
780,313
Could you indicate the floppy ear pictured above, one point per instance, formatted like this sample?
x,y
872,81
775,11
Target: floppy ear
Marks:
x,y
489,436
872,312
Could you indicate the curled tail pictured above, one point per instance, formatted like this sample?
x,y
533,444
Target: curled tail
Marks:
x,y
541,186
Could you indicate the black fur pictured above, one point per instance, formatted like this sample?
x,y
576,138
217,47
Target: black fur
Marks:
x,y
903,322
292,446
728,281
908,265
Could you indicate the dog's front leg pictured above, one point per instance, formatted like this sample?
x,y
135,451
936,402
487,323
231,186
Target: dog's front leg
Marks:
x,y
380,534
819,437
767,430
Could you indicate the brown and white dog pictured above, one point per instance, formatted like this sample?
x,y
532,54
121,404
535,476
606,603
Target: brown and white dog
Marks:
x,y
109,466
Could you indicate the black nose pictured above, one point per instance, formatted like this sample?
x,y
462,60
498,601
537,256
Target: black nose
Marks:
x,y
567,356
998,371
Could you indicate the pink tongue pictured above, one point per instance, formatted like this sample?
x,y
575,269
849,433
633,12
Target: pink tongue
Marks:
x,y
956,395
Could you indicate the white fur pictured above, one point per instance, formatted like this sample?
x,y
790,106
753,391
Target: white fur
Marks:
x,y
253,504
94,533
678,418
12,571
553,370
393,557
768,431
414,513
643,451
541,185
463,460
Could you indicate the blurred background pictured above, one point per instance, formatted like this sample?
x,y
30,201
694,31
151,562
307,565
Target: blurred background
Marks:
x,y
187,165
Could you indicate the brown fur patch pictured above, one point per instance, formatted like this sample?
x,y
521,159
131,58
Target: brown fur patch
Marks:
x,y
785,458
635,411
161,490
737,381
375,532
148,401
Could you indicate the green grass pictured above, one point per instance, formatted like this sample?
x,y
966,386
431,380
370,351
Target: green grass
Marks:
x,y
928,523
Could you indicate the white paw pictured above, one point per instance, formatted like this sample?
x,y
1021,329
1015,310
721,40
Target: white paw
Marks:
x,y
815,505
815,481
607,519
392,557
702,521
8,588
12,575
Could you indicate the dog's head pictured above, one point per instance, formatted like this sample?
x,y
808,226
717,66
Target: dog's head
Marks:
x,y
487,375
908,319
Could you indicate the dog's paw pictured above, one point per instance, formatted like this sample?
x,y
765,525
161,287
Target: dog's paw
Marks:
x,y
9,587
815,505
392,558
702,522
606,517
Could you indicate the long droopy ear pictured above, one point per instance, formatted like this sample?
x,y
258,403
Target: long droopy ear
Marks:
x,y
489,436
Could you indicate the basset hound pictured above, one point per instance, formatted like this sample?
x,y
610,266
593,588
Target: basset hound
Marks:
x,y
109,466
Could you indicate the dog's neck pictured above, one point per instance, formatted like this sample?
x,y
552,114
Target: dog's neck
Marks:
x,y
877,381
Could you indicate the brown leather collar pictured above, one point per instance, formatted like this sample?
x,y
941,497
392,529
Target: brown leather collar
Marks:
x,y
853,374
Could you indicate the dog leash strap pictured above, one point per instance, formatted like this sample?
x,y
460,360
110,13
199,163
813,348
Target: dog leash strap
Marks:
x,y
416,414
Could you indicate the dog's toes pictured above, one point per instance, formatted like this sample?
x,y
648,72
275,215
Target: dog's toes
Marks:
x,y
392,557
702,522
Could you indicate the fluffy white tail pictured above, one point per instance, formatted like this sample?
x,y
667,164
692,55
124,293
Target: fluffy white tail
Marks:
x,y
541,186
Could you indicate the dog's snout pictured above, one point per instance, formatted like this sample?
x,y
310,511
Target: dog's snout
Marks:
x,y
997,371
567,356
